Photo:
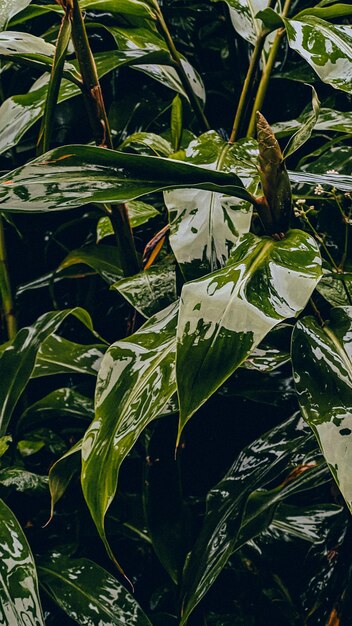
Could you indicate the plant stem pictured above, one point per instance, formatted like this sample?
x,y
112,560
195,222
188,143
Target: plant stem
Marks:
x,y
255,58
101,130
194,101
248,83
5,288
92,91
264,82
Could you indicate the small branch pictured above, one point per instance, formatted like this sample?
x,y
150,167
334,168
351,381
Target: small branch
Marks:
x,y
194,101
5,288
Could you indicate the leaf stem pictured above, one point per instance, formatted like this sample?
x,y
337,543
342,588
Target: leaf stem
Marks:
x,y
92,91
5,288
176,57
264,81
101,130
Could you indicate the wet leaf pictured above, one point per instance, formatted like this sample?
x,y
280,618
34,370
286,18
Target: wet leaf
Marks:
x,y
136,379
89,594
103,259
19,595
58,355
72,176
225,315
204,225
322,363
152,290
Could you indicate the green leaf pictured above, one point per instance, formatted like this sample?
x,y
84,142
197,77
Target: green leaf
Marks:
x,y
147,144
17,361
271,19
57,69
272,352
225,315
328,120
308,523
5,442
103,259
19,112
326,47
322,363
10,8
205,225
136,379
72,176
20,480
58,355
243,16
339,181
19,595
335,288
89,594
304,132
61,474
238,507
64,402
138,8
16,45
151,290
326,13
176,123
138,212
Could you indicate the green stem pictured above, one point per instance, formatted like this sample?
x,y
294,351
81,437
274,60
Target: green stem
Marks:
x,y
252,69
248,83
5,288
194,101
264,81
101,130
128,258
92,93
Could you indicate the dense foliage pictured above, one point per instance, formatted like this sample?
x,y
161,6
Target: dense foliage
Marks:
x,y
176,313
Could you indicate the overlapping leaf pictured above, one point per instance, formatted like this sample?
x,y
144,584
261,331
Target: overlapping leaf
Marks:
x,y
89,594
239,507
205,225
17,361
19,595
326,47
322,363
225,315
135,381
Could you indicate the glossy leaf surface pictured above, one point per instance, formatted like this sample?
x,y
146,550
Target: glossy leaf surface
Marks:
x,y
138,212
224,526
326,47
103,259
10,8
306,128
62,472
58,355
152,290
328,119
17,361
135,381
18,113
225,315
65,402
205,225
322,363
19,595
243,18
89,594
73,175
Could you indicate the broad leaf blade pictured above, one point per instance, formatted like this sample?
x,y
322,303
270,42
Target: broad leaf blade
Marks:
x,y
135,381
9,8
326,47
103,259
58,355
204,225
225,315
322,363
72,176
19,595
89,594
304,132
